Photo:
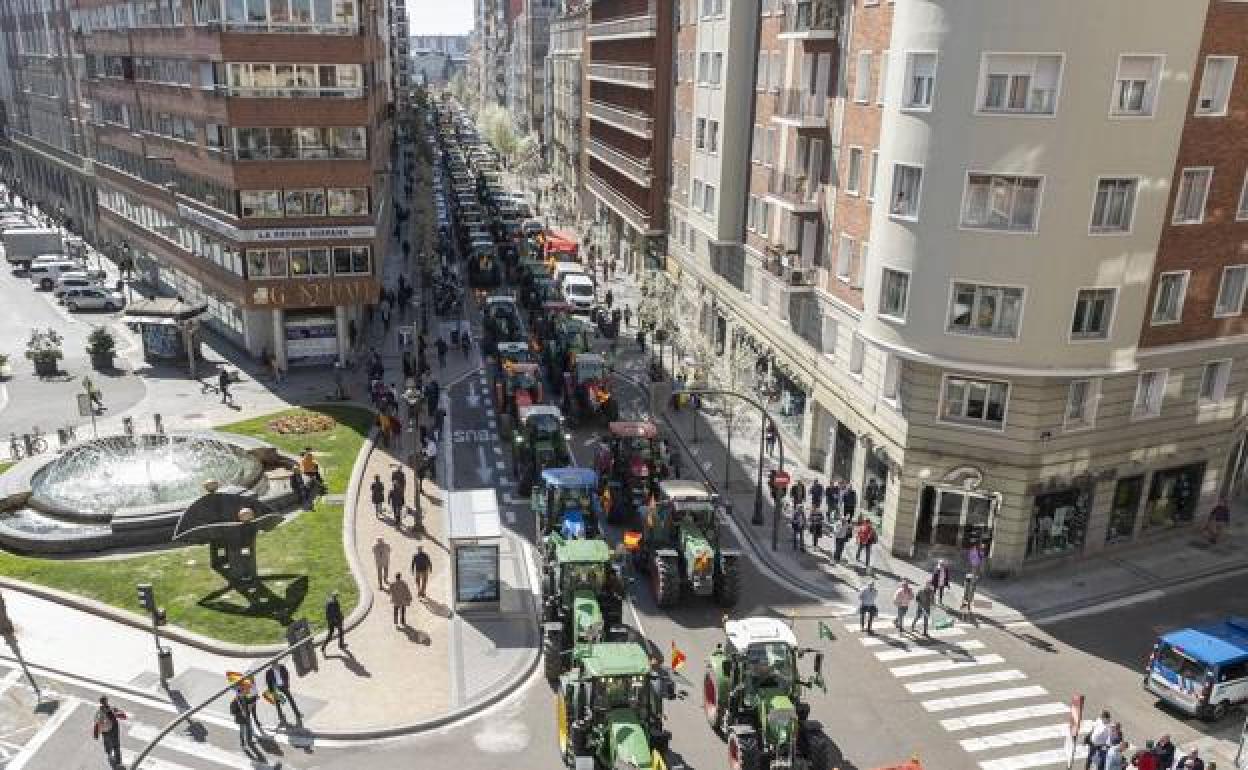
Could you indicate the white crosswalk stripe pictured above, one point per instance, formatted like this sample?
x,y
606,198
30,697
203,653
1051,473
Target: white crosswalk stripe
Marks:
x,y
144,733
918,669
967,680
1015,737
882,639
930,649
1037,759
1005,715
980,698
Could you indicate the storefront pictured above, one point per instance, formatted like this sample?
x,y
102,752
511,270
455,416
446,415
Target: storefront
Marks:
x,y
1172,496
785,395
953,518
1059,522
311,338
845,440
1124,509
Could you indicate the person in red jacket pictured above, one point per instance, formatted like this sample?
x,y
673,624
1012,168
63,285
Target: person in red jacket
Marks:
x,y
866,537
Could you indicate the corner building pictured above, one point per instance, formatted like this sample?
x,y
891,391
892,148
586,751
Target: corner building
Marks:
x,y
243,158
961,225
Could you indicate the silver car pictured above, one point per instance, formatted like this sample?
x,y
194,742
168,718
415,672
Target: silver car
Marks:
x,y
94,299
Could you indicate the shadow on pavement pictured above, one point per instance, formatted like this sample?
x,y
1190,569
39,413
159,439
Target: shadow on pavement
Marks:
x,y
259,600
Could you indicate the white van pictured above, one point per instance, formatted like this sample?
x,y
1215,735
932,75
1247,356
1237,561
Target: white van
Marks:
x,y
578,291
46,274
567,268
78,279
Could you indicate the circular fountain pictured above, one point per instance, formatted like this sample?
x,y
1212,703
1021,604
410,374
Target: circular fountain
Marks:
x,y
125,490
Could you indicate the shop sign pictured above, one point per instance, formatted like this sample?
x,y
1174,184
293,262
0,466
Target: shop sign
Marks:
x,y
303,293
227,230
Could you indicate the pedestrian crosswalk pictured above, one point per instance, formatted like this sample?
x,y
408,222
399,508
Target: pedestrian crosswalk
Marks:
x,y
996,716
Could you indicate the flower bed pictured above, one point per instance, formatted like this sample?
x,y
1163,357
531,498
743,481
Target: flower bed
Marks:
x,y
298,423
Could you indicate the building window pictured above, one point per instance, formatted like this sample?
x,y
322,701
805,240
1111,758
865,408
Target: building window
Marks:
x,y
920,81
994,202
260,203
881,87
309,262
854,173
267,263
992,311
1241,212
1114,205
1093,310
875,174
1231,291
1215,85
1150,390
862,78
777,70
890,388
907,187
696,199
304,203
352,260
1081,404
348,201
1213,381
1020,83
1168,302
712,136
717,65
699,133
857,352
1189,202
1135,87
975,402
894,293
704,67
756,146
773,143
845,257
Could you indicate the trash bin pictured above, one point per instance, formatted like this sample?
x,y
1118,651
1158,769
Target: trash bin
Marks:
x,y
165,658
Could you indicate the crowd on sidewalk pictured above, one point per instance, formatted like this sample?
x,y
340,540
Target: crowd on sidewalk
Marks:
x,y
1109,749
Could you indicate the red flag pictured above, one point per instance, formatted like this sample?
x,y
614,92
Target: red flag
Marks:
x,y
678,658
632,541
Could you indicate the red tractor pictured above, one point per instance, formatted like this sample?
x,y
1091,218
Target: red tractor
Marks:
x,y
587,390
518,386
631,460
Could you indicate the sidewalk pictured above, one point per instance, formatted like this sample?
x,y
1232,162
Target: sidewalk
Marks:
x,y
1120,577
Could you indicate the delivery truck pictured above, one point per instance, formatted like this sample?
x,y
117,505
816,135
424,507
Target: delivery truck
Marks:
x,y
21,245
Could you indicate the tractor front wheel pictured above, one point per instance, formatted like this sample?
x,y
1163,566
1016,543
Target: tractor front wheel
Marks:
x,y
552,654
728,584
710,703
818,750
666,581
744,752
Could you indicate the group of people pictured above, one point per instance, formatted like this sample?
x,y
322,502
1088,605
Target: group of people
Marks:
x,y
925,599
833,509
398,589
1108,749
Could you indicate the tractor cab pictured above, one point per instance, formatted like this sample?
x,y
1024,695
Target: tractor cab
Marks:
x,y
502,321
519,386
513,352
681,548
587,390
566,500
629,458
688,503
582,597
539,442
571,338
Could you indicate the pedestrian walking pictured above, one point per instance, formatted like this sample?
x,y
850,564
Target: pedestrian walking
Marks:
x,y
422,566
641,338
107,730
223,385
849,500
816,495
628,316
441,346
378,491
814,523
277,679
866,538
1192,761
400,598
242,718
432,392
797,520
381,557
923,607
334,621
299,487
769,437
901,601
1219,520
1165,750
844,530
797,492
940,580
867,609
409,368
431,459
1098,741
975,558
1116,757
398,504
609,299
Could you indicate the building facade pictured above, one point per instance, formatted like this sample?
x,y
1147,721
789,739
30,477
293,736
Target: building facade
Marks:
x,y
563,123
991,260
492,30
530,42
242,158
628,142
50,145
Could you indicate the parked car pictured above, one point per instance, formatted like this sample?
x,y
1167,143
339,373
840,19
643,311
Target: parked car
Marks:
x,y
94,299
45,275
78,279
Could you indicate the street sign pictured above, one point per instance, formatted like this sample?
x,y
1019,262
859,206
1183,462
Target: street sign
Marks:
x,y
781,479
1072,732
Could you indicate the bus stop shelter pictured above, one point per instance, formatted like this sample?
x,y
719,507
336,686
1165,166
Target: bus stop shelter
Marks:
x,y
475,538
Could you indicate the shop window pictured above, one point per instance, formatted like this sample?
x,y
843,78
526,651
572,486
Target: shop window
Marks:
x,y
348,202
1122,513
1172,496
1059,522
952,518
305,203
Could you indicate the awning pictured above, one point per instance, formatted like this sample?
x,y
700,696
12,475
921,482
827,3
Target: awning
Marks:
x,y
164,309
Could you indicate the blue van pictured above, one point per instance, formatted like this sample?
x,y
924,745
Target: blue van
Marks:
x,y
1202,670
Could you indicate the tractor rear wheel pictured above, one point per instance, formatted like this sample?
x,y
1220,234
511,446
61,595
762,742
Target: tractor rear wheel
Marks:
x,y
744,752
666,582
728,584
711,703
552,654
818,750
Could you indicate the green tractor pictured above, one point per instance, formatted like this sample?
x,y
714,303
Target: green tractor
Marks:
x,y
681,548
752,694
582,598
538,443
610,710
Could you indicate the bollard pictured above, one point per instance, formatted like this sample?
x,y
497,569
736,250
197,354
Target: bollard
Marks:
x,y
62,437
164,656
160,427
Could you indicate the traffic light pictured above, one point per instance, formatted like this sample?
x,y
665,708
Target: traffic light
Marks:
x,y
147,597
160,617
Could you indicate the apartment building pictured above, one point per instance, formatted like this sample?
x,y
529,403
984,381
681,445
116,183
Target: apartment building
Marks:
x,y
49,142
242,157
492,30
991,267
628,143
530,42
563,124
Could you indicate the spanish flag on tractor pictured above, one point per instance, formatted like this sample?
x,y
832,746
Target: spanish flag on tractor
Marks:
x,y
678,658
632,541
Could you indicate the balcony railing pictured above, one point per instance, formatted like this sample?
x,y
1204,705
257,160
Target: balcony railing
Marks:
x,y
633,122
622,206
636,168
313,92
797,189
803,107
620,29
266,27
624,74
813,19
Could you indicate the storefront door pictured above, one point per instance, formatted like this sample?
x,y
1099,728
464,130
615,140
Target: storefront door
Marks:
x,y
1126,504
953,518
843,457
1173,494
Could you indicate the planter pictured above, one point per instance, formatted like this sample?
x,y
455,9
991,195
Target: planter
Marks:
x,y
102,361
46,367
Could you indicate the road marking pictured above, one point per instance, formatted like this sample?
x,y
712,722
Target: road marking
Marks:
x,y
201,750
1015,737
918,669
969,680
1038,759
513,499
854,629
1005,715
879,639
46,731
10,679
1126,601
980,698
919,652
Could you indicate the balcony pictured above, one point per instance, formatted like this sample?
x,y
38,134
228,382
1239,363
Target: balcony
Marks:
x,y
636,123
623,74
636,217
637,169
293,28
795,192
635,27
802,109
811,20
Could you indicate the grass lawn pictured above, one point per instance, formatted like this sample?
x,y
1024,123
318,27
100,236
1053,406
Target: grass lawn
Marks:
x,y
300,561
4,466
